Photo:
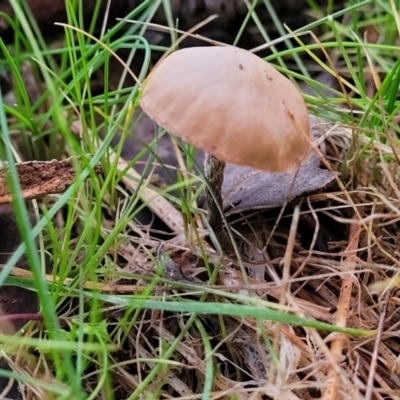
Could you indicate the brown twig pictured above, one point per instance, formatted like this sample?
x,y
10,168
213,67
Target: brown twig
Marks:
x,y
331,392
40,178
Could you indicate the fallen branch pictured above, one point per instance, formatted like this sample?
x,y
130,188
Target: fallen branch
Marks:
x,y
40,178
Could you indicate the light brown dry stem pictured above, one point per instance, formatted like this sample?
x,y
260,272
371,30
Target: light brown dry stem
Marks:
x,y
154,201
331,392
287,261
375,354
89,285
40,178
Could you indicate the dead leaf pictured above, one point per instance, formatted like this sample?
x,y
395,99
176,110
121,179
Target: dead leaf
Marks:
x,y
246,189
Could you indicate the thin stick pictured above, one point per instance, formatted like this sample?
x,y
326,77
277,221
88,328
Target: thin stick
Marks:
x,y
287,262
158,204
331,392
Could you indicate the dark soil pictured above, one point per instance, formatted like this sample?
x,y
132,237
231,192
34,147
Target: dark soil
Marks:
x,y
13,299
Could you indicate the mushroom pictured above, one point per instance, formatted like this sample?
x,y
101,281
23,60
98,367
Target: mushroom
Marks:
x,y
233,105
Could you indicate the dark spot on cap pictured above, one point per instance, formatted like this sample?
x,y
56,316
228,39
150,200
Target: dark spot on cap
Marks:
x,y
268,77
240,66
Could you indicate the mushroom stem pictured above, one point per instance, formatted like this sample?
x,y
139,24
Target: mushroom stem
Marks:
x,y
214,173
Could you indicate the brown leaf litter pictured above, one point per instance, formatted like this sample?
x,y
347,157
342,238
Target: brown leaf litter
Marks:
x,y
329,286
360,226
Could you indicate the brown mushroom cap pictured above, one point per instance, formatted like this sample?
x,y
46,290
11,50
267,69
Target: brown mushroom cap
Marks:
x,y
232,104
